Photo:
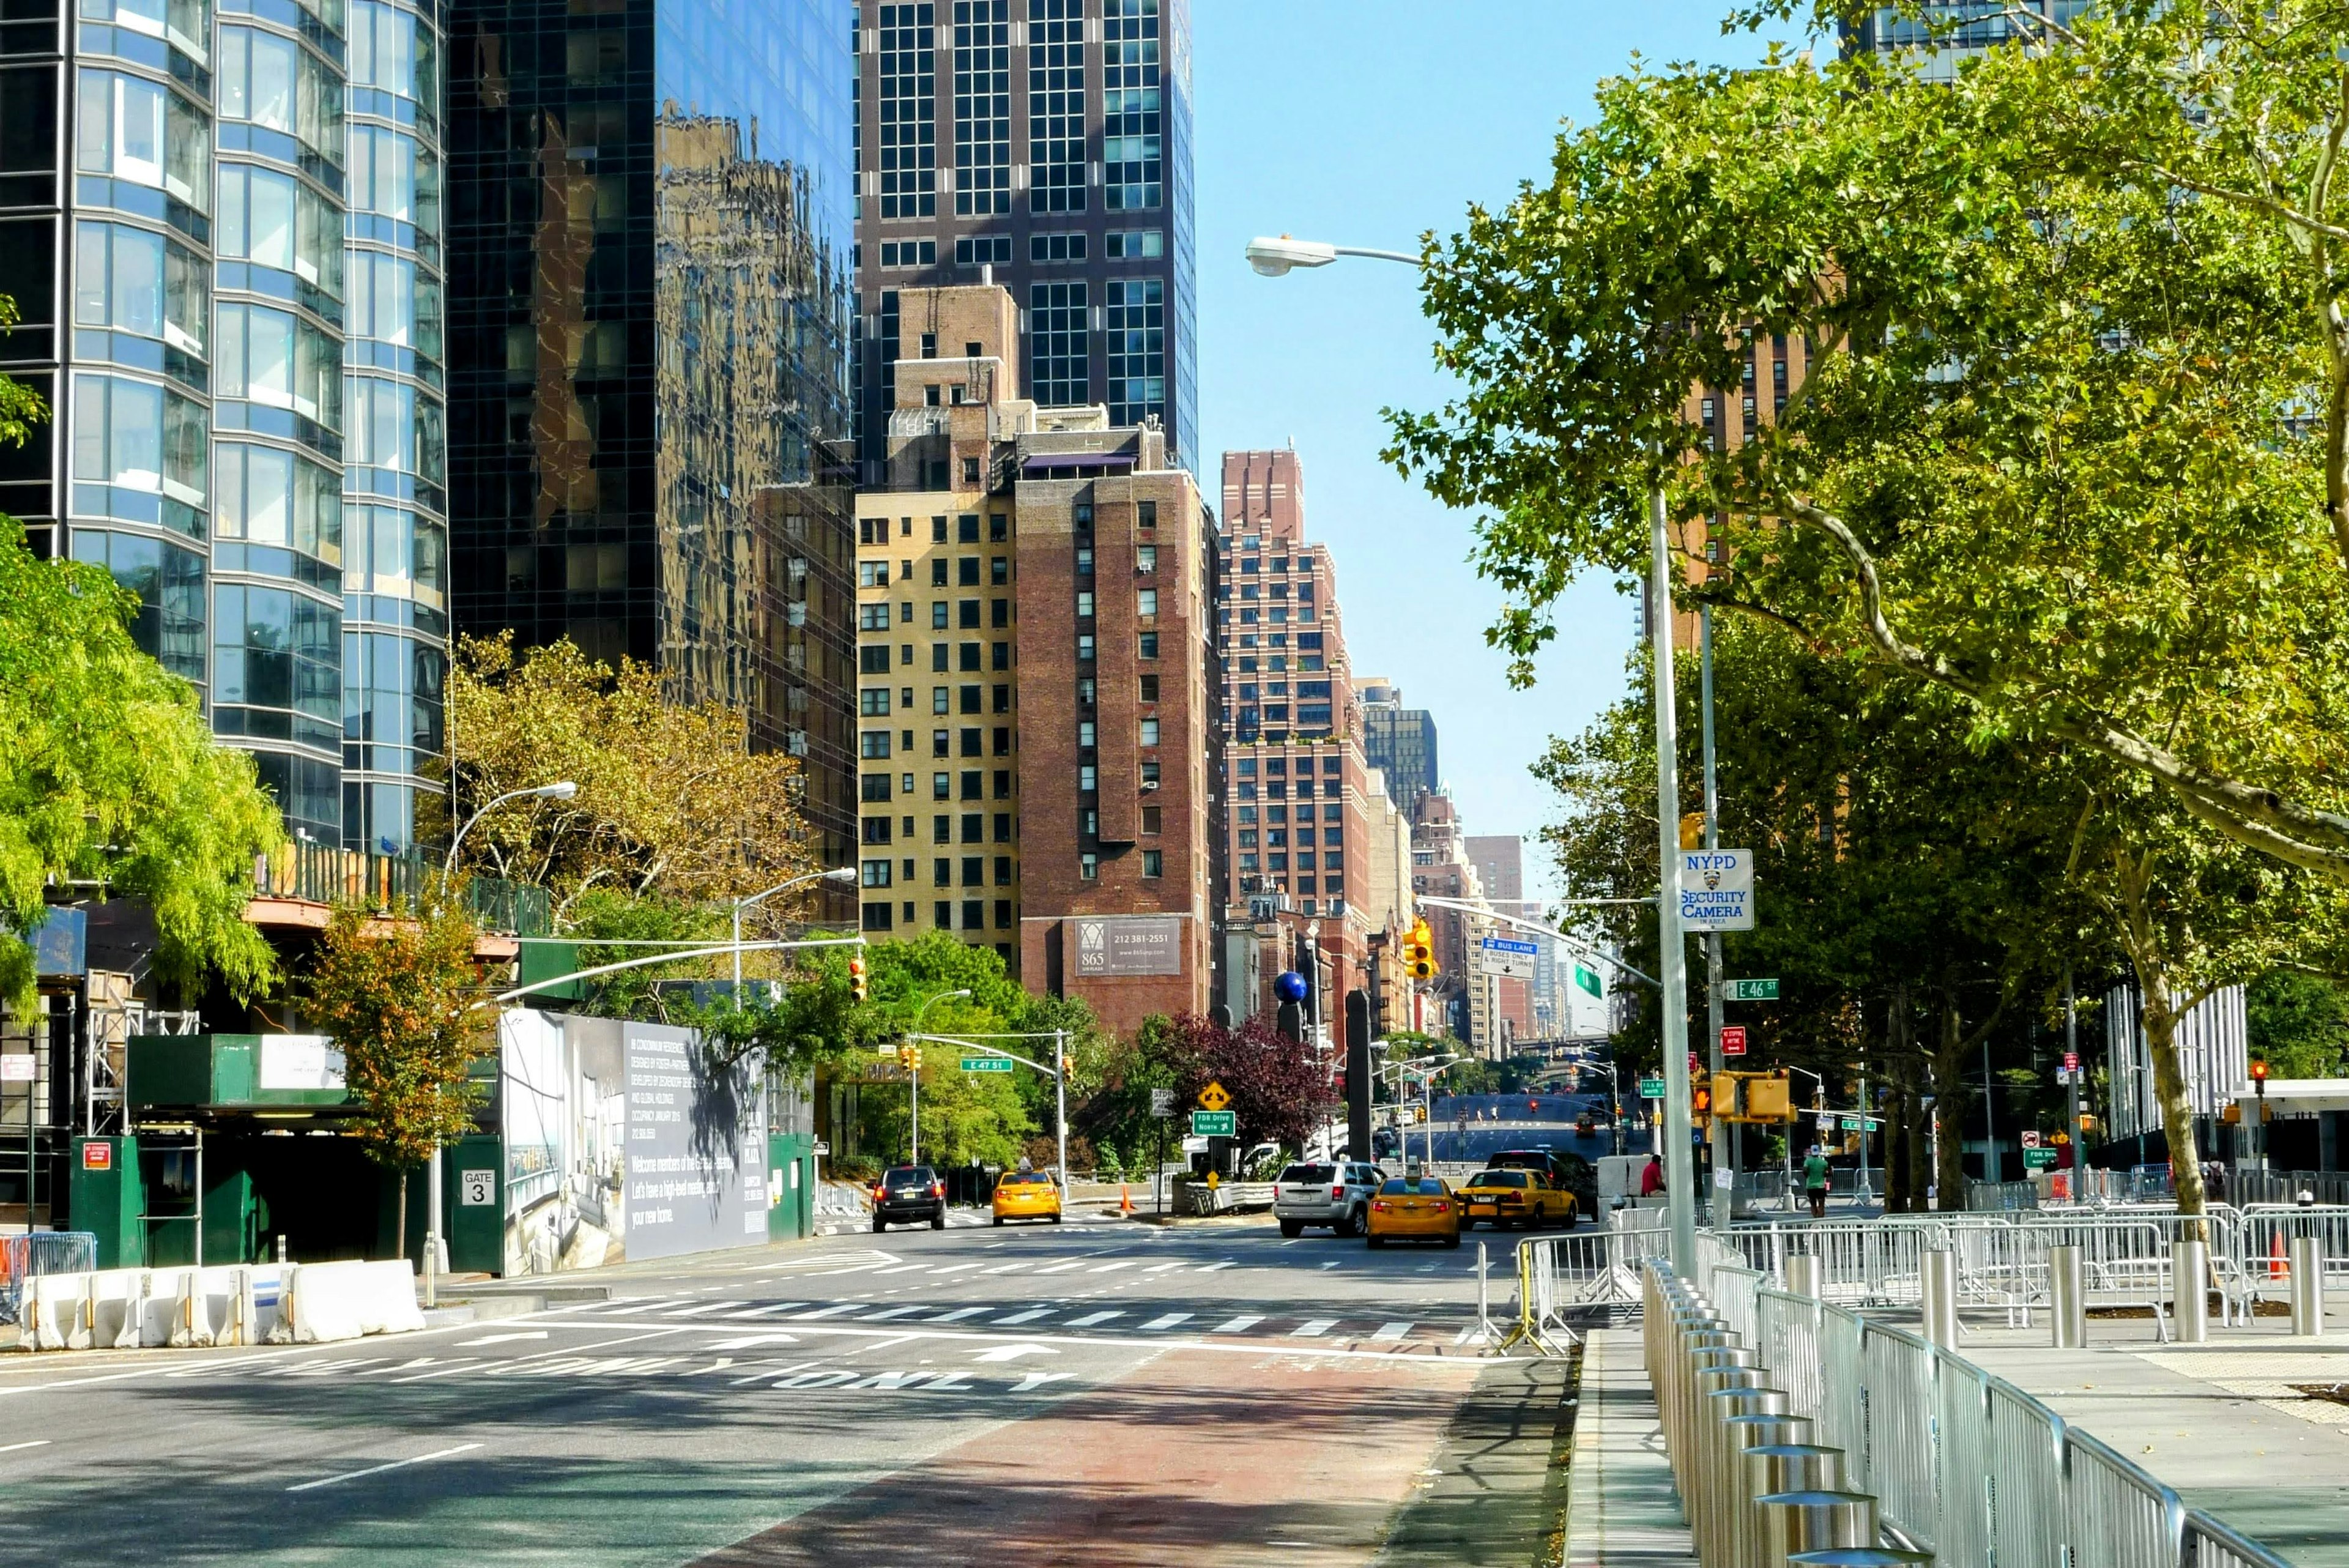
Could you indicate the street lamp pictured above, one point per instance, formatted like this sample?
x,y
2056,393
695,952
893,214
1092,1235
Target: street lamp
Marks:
x,y
913,1078
845,875
563,790
1275,258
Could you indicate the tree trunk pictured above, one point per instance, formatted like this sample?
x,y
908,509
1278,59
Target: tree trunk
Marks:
x,y
400,1225
1950,1098
2162,1010
1897,1128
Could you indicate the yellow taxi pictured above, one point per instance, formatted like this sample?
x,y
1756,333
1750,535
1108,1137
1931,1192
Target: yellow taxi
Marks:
x,y
1027,1195
1414,1209
1508,1199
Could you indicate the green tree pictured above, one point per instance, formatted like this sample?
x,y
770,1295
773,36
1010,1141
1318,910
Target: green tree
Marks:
x,y
404,1001
2071,436
110,778
2299,1023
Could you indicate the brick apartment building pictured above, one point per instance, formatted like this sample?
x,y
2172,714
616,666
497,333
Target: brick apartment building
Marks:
x,y
1300,789
1040,765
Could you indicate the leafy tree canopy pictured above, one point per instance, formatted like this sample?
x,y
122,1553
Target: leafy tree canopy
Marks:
x,y
110,776
2067,432
2299,1023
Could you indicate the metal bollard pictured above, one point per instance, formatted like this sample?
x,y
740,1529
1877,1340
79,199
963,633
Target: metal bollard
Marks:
x,y
2067,1298
1713,1455
1941,1297
1802,1274
1695,1436
2189,1301
1740,1433
1800,1522
2308,1286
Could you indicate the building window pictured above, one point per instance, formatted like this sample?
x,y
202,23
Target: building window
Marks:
x,y
1084,605
909,253
1149,647
1146,602
1153,863
1137,244
908,111
1137,323
1146,559
876,917
941,786
876,873
1151,817
1089,867
1057,367
1133,117
1150,775
978,250
1052,248
1088,779
872,700
873,743
943,915
1000,656
1085,646
1150,732
982,107
972,779
874,786
1056,105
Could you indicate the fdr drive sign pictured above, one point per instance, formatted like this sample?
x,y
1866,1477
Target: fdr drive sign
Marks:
x,y
1129,944
1717,889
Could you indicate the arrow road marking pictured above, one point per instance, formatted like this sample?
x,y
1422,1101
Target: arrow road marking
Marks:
x,y
746,1341
1014,1352
502,1339
1032,1381
379,1469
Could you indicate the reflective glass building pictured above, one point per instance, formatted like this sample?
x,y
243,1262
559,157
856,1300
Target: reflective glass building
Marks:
x,y
221,228
1046,146
650,295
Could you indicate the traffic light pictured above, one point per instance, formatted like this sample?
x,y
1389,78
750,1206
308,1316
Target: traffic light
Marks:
x,y
1418,952
1701,1106
856,976
915,1056
2258,1070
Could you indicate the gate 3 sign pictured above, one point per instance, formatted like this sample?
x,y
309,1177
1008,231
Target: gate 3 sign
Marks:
x,y
1717,889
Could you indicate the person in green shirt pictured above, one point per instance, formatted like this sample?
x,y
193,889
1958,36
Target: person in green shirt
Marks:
x,y
1815,1182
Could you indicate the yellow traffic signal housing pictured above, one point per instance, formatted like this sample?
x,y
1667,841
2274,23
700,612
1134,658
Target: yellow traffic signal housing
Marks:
x,y
856,976
1760,1098
1418,952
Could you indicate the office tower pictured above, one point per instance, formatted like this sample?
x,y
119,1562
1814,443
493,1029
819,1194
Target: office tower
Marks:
x,y
1045,145
1500,861
205,222
1947,31
651,297
1300,837
1035,703
1399,742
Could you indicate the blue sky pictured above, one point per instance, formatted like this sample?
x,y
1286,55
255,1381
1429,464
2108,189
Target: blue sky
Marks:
x,y
1366,122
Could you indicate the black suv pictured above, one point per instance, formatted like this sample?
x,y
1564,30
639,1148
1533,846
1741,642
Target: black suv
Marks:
x,y
907,1195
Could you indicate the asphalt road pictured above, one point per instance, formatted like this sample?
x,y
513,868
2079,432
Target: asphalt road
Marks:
x,y
1095,1393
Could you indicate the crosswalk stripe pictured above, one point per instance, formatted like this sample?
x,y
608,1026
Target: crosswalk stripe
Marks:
x,y
1091,1318
1392,1331
829,1311
960,1268
767,1310
1169,1321
960,1313
900,1268
1064,1268
1113,1268
1211,1268
1237,1324
1313,1328
892,1312
696,1310
1031,1315
1161,1268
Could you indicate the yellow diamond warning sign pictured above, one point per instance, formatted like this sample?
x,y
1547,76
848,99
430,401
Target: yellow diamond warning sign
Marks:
x,y
1215,1097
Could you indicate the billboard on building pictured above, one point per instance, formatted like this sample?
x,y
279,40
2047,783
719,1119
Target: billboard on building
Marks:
x,y
1110,945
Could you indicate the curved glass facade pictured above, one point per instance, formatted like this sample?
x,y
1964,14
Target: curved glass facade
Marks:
x,y
396,516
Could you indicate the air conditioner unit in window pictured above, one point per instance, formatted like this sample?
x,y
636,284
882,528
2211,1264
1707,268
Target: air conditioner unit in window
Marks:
x,y
1148,785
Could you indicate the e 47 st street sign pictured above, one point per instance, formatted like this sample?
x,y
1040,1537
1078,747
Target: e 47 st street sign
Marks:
x,y
987,1064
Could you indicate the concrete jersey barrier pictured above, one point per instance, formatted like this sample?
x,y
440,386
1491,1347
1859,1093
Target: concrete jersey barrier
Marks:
x,y
263,1304
345,1301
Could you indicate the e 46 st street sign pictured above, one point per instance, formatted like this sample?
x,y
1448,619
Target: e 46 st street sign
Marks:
x,y
1213,1124
1749,991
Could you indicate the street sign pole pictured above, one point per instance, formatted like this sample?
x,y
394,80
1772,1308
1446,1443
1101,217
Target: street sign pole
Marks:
x,y
2072,1094
1726,1134
1671,953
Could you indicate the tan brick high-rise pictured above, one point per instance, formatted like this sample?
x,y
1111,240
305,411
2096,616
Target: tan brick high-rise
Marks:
x,y
1040,763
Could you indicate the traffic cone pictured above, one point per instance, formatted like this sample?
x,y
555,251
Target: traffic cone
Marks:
x,y
1124,1199
2277,1267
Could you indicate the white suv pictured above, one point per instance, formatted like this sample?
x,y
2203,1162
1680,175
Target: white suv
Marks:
x,y
1335,1193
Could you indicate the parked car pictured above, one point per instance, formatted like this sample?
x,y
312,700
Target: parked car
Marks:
x,y
1336,1194
907,1195
1414,1209
1027,1195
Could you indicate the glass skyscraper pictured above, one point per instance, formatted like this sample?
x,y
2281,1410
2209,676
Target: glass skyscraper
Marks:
x,y
222,235
650,298
1047,144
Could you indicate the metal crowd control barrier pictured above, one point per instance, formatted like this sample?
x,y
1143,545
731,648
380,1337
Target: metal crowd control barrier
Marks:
x,y
22,1258
1888,1432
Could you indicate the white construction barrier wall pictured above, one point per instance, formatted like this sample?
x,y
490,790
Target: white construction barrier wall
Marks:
x,y
131,1308
344,1301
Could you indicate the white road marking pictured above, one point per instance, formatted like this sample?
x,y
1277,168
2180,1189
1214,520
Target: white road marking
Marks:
x,y
1331,1263
502,1339
1113,1268
829,1311
960,1268
1161,1268
1211,1268
767,1310
889,1312
1064,1268
1035,1380
1391,1331
36,1443
1031,1315
744,1341
379,1469
900,1268
697,1311
1313,1328
959,1314
1169,1321
1091,1318
1237,1324
1014,1352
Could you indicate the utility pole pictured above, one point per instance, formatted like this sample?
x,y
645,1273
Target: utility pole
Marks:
x,y
1672,956
2071,1085
1726,1134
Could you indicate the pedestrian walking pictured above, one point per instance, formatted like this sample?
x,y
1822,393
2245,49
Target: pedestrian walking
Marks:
x,y
1814,1181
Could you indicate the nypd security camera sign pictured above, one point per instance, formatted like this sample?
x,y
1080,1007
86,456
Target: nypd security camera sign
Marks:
x,y
1717,889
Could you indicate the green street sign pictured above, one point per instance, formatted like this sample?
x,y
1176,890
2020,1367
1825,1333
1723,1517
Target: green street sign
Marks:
x,y
1851,1124
1214,1124
1651,1088
2038,1159
1749,991
987,1065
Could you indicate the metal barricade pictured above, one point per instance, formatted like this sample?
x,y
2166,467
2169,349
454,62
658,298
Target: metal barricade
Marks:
x,y
22,1258
1897,1367
1787,1332
1733,1290
2210,1544
2269,1228
2023,1491
2118,1516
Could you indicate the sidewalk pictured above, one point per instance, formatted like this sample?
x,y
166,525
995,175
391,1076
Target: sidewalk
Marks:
x,y
2221,1423
1621,1509
1495,1493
